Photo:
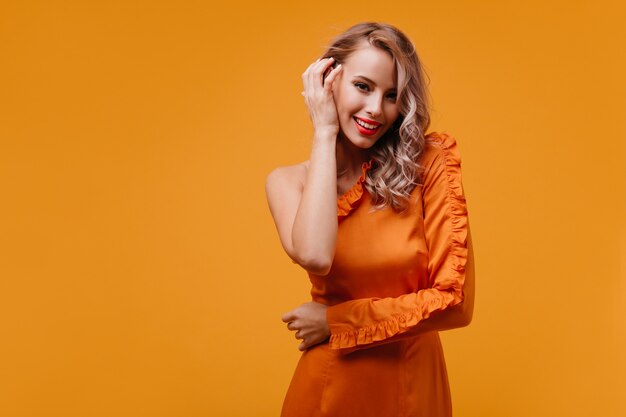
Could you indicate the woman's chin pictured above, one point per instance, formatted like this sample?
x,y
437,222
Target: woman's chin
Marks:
x,y
358,140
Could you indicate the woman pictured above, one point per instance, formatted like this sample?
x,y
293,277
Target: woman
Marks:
x,y
378,218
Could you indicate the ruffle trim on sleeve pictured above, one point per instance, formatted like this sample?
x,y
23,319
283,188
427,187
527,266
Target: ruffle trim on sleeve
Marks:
x,y
397,324
457,211
350,199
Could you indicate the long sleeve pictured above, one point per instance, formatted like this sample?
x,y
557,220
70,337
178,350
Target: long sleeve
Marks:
x,y
368,320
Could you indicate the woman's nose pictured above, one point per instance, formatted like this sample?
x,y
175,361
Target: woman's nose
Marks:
x,y
374,106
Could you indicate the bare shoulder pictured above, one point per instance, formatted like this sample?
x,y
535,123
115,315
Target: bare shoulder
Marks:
x,y
283,188
288,175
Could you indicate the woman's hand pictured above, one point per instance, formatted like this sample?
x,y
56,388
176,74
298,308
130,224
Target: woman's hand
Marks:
x,y
318,95
309,322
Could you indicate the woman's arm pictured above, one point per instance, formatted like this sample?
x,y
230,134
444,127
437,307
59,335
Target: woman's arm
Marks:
x,y
305,213
309,319
305,210
461,314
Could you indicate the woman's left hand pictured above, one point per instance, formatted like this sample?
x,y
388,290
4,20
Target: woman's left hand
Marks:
x,y
309,322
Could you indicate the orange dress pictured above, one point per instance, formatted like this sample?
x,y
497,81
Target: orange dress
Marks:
x,y
390,271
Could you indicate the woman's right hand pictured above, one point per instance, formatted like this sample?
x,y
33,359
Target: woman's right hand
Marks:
x,y
318,95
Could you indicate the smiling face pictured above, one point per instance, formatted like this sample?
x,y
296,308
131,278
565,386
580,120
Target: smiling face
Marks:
x,y
365,95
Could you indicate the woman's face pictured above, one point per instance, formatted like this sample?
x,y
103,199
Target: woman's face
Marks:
x,y
365,93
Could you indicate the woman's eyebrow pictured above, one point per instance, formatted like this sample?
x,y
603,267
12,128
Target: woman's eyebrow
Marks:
x,y
369,81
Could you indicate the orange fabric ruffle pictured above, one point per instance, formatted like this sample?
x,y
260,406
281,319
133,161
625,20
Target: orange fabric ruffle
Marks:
x,y
457,206
350,199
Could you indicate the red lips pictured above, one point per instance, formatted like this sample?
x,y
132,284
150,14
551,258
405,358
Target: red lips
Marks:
x,y
365,131
368,121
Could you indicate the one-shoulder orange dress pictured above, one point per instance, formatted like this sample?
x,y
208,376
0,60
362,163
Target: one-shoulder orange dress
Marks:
x,y
390,271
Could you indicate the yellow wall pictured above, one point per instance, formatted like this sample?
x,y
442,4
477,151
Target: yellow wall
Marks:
x,y
140,272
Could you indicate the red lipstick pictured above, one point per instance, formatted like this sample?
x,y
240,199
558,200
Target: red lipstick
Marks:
x,y
371,122
364,130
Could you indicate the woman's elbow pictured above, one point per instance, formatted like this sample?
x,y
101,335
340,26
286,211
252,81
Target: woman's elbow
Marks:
x,y
466,310
460,314
465,320
316,265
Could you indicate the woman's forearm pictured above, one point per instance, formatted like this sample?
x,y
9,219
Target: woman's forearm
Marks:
x,y
314,232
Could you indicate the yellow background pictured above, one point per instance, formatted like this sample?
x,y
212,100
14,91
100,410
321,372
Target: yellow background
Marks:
x,y
140,271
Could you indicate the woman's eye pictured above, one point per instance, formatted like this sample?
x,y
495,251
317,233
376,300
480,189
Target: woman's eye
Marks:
x,y
361,86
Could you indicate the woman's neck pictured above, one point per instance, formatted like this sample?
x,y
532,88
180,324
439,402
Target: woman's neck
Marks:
x,y
349,158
